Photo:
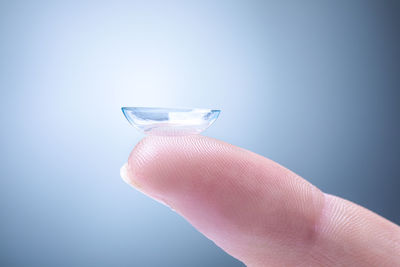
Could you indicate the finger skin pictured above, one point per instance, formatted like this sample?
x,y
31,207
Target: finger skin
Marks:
x,y
356,236
255,209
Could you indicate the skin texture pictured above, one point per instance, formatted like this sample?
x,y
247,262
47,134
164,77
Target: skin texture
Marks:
x,y
256,210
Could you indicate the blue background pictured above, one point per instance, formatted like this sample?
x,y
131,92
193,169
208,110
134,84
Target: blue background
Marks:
x,y
312,85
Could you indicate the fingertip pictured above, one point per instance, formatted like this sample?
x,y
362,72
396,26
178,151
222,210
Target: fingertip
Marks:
x,y
235,197
216,183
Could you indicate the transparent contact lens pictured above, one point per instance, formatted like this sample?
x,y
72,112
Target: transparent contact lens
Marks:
x,y
170,121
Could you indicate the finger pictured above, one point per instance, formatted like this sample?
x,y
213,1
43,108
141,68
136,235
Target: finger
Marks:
x,y
255,209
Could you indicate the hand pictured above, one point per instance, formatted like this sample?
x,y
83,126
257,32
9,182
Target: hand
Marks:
x,y
255,209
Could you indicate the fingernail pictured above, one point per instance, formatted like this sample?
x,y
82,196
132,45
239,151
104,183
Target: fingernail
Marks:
x,y
125,174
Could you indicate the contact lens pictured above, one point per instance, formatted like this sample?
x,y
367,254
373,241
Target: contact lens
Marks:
x,y
170,121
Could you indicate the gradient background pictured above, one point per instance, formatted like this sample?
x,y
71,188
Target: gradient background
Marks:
x,y
313,85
